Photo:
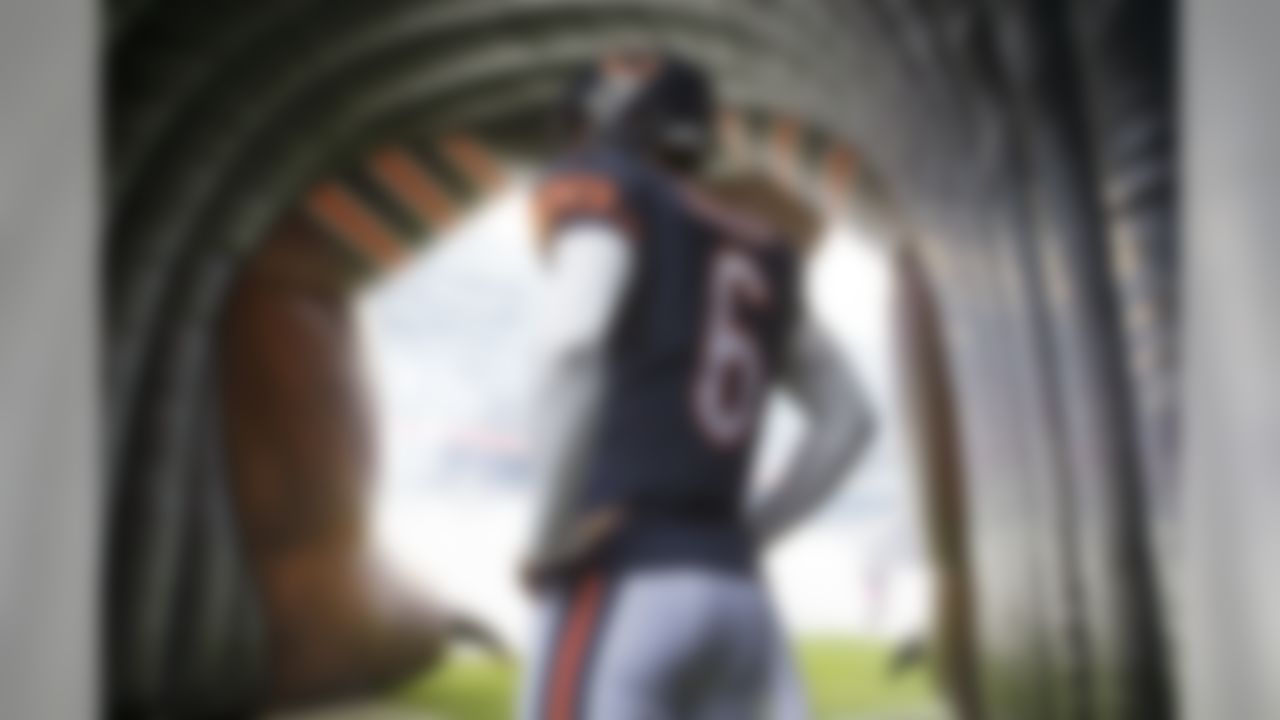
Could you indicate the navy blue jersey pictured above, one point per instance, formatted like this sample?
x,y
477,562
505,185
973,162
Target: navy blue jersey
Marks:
x,y
698,342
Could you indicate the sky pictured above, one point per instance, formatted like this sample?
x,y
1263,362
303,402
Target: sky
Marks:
x,y
446,342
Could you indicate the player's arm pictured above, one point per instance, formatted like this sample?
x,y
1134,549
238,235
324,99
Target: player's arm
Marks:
x,y
589,265
840,426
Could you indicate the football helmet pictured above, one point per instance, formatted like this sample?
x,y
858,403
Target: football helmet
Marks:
x,y
658,103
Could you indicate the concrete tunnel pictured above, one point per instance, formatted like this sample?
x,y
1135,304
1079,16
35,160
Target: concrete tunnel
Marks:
x,y
267,159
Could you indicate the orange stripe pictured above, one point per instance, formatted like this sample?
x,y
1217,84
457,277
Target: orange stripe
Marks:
x,y
345,215
733,135
579,628
474,160
413,186
786,140
839,170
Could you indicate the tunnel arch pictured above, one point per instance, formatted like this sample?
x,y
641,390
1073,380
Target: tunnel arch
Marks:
x,y
402,195
1022,151
227,182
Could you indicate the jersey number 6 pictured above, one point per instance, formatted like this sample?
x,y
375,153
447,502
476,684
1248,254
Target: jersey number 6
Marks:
x,y
731,368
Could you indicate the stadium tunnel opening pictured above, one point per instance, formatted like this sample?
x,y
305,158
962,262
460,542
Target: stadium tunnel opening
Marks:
x,y
299,391
446,341
267,159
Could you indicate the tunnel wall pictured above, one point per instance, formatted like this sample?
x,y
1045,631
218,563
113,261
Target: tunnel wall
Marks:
x,y
1020,230
1019,149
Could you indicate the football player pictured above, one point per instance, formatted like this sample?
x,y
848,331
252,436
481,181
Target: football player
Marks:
x,y
670,315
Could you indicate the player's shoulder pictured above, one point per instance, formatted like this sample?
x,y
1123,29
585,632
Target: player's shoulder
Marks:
x,y
605,165
594,183
739,222
761,209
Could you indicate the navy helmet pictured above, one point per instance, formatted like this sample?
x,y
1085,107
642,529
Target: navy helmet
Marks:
x,y
658,103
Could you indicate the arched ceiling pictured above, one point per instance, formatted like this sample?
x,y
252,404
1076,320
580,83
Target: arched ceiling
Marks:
x,y
223,114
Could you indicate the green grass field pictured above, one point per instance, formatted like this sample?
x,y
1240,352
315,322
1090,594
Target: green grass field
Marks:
x,y
846,679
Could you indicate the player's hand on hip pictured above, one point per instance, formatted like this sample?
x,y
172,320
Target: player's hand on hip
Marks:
x,y
583,544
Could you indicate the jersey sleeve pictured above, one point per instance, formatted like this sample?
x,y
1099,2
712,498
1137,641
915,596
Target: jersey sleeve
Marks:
x,y
584,193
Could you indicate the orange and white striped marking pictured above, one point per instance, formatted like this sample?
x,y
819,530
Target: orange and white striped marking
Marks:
x,y
411,184
474,160
345,215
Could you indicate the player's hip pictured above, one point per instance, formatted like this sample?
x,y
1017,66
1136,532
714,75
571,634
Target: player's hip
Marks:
x,y
643,640
674,545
